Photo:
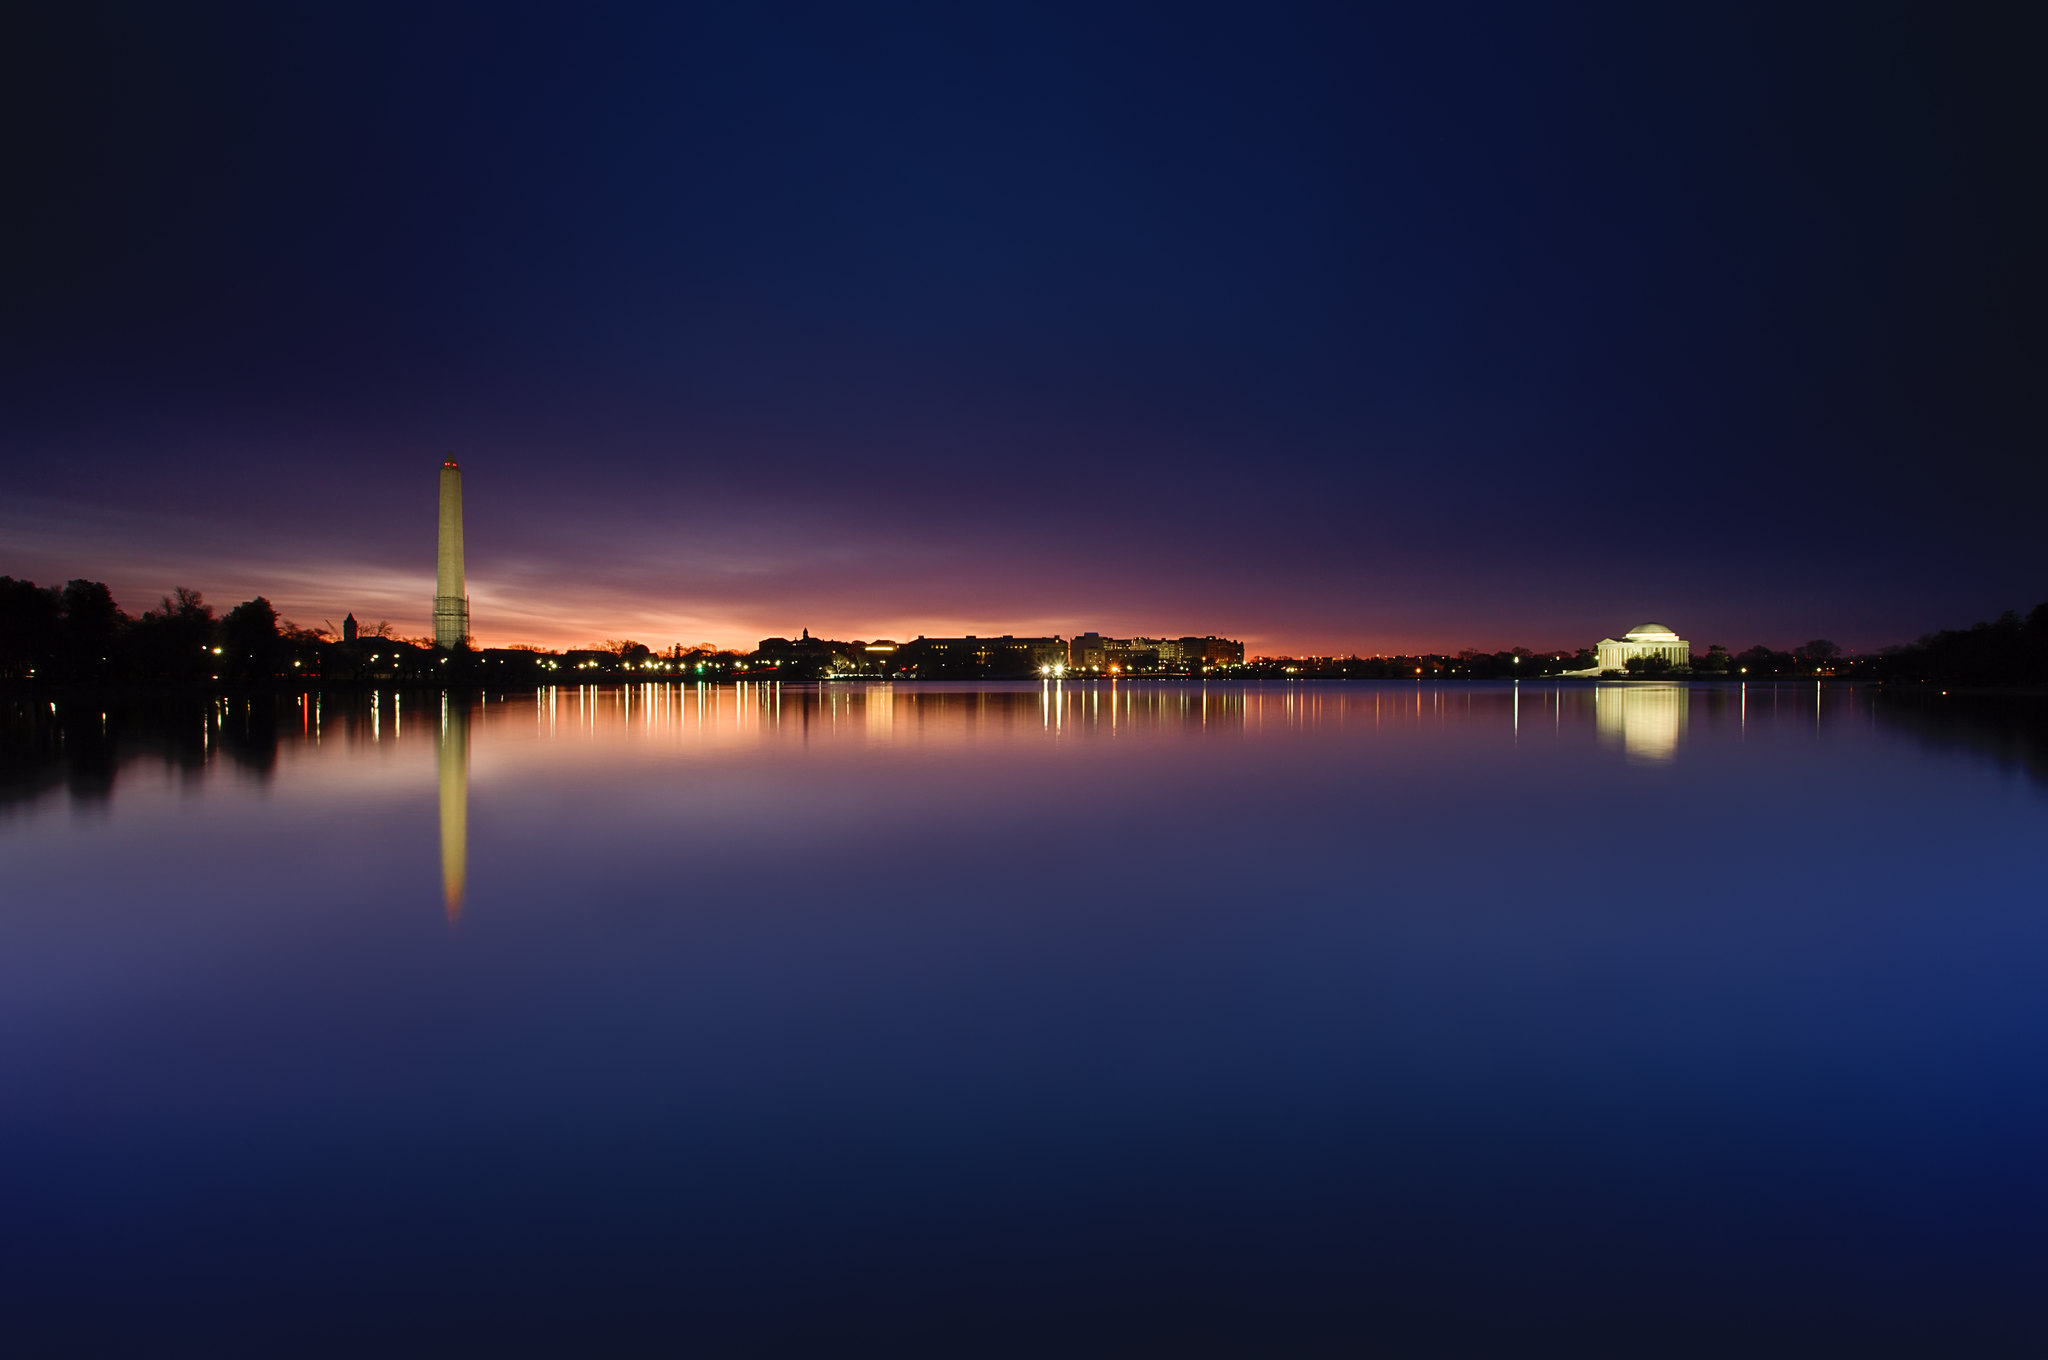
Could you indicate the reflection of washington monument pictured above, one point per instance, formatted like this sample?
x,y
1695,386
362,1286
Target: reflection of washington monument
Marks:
x,y
1648,720
453,763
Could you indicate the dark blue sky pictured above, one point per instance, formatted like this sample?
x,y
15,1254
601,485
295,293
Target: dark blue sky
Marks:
x,y
1329,327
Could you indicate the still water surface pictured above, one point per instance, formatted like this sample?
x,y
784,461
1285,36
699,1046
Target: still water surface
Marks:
x,y
1026,1020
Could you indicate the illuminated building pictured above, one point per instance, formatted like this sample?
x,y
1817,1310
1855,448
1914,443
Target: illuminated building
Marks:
x,y
822,658
819,655
1646,639
1094,653
973,655
1204,652
451,603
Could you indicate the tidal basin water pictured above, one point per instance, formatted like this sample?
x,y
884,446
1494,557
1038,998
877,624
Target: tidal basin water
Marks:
x,y
1024,1020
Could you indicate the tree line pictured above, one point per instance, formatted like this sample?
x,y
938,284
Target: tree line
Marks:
x,y
75,632
2008,650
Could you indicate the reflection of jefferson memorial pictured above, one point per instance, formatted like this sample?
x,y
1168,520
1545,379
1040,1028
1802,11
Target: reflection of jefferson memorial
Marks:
x,y
1646,639
1648,720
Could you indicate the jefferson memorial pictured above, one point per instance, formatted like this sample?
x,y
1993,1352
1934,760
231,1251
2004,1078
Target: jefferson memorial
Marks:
x,y
1645,639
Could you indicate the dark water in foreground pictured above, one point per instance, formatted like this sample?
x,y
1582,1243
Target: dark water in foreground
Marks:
x,y
1150,1020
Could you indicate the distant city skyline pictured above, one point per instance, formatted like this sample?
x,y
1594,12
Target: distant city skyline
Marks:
x,y
451,621
1335,329
547,615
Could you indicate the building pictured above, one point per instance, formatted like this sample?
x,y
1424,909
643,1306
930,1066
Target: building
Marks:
x,y
974,656
451,600
1204,653
1646,639
810,656
1094,653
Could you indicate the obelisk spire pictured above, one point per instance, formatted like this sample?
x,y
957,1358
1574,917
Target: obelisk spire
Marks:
x,y
451,599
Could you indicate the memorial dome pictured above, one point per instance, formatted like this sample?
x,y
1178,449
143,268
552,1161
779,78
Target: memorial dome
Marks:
x,y
1649,632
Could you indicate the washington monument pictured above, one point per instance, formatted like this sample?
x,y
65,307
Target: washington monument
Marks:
x,y
451,602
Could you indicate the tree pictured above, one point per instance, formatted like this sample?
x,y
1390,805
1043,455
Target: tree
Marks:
x,y
190,605
29,618
1819,650
90,615
250,623
1761,660
249,638
1644,666
174,641
89,631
